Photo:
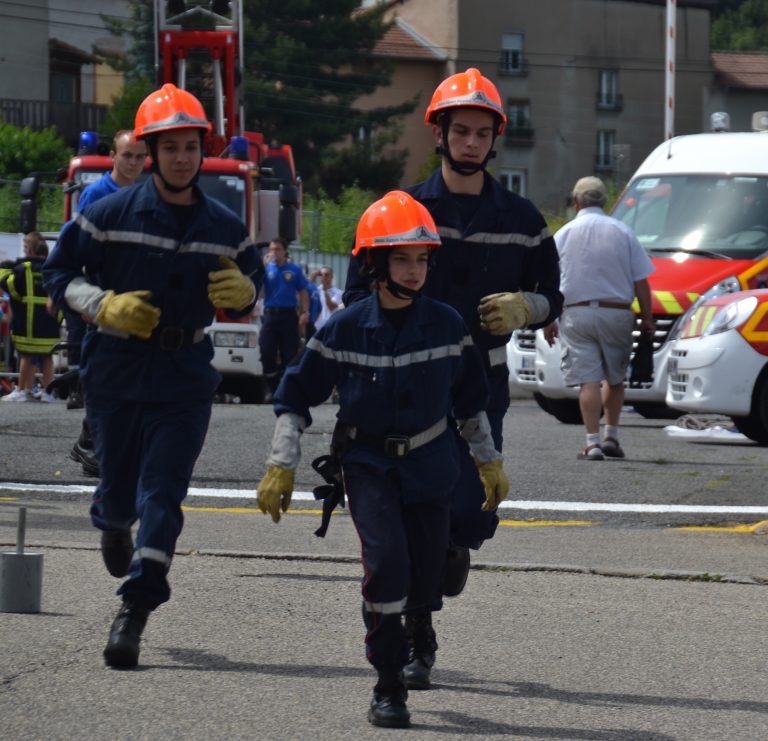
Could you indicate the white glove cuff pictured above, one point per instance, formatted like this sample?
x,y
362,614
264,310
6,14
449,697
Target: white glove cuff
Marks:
x,y
539,306
83,297
477,432
286,450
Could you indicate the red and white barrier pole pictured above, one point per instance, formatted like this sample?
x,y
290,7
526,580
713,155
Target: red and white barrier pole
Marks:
x,y
669,68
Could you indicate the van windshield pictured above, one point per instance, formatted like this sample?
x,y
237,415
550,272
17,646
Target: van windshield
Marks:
x,y
704,215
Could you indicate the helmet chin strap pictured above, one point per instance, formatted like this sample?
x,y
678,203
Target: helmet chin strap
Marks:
x,y
463,168
399,291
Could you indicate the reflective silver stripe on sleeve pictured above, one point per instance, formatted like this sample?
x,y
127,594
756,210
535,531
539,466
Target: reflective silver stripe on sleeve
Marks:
x,y
389,361
385,608
153,240
152,554
526,240
114,235
214,248
497,356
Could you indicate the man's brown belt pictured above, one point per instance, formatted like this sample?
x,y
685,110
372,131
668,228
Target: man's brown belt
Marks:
x,y
601,304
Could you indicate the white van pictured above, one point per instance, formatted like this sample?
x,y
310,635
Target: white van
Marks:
x,y
699,206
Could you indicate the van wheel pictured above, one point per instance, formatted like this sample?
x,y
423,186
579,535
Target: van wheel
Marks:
x,y
566,411
253,391
542,401
755,425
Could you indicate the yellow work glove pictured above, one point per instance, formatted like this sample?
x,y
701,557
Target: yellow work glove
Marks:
x,y
494,482
128,312
228,288
275,491
502,313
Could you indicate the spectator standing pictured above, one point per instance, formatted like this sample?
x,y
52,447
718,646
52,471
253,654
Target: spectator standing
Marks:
x,y
330,296
34,321
399,459
285,287
603,269
149,266
497,267
128,159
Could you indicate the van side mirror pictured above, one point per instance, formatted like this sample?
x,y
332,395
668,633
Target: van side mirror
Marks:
x,y
28,210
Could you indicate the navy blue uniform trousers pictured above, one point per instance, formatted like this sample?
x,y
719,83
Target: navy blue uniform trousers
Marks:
x,y
279,333
147,451
403,553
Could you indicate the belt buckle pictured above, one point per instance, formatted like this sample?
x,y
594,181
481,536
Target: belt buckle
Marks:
x,y
170,338
397,446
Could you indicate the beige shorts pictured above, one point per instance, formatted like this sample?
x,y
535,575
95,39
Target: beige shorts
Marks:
x,y
596,344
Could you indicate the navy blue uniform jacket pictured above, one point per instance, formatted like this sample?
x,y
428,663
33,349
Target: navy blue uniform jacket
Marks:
x,y
393,383
131,241
506,247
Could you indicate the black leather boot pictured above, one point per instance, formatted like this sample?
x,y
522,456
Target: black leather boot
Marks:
x,y
83,452
456,570
117,551
122,650
422,644
388,708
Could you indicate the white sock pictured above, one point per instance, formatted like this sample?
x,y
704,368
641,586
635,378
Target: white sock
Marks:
x,y
612,431
593,438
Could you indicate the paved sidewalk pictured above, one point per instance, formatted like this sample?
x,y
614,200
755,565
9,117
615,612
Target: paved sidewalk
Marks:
x,y
250,648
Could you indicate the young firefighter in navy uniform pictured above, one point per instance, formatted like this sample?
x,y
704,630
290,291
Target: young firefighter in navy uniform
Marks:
x,y
403,364
498,267
148,266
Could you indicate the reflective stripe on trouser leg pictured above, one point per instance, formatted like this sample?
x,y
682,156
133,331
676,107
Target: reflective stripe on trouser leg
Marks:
x,y
173,434
470,526
376,508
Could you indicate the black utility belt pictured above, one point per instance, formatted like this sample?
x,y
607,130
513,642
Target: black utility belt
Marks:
x,y
175,338
398,446
279,310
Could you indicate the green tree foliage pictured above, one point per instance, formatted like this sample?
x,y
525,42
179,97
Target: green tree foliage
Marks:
x,y
24,151
139,29
741,26
307,63
330,223
122,113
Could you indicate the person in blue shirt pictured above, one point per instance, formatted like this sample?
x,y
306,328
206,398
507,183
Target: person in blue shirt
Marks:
x,y
285,288
128,159
407,373
149,266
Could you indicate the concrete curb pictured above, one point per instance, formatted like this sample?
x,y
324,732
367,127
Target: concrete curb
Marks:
x,y
669,575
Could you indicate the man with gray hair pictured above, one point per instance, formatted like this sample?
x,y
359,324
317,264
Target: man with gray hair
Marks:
x,y
602,268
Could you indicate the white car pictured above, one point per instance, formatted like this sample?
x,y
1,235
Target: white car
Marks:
x,y
237,358
719,362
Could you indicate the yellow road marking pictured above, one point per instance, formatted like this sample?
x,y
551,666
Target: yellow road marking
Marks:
x,y
506,523
715,529
8,499
249,510
545,523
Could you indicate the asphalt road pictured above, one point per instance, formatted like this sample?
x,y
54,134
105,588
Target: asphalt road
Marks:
x,y
577,623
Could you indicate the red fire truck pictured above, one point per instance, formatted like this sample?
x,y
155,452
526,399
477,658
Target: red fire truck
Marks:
x,y
256,180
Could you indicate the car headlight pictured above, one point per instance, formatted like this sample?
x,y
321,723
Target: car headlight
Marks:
x,y
731,316
727,285
234,339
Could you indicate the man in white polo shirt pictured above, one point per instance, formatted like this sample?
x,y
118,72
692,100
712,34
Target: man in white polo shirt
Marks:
x,y
602,268
330,296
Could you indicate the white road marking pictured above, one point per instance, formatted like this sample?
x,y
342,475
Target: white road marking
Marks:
x,y
521,504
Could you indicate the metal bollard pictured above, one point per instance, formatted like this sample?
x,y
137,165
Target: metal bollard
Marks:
x,y
21,575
